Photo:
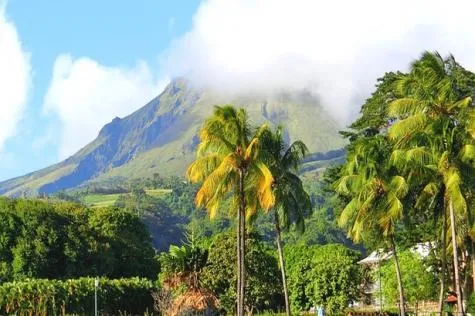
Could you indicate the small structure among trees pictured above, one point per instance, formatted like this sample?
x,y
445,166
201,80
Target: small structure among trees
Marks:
x,y
419,281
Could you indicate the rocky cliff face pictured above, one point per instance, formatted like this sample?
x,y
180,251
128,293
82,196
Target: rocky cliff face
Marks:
x,y
161,137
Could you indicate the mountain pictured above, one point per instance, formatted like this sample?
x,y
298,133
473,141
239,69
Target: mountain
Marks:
x,y
161,137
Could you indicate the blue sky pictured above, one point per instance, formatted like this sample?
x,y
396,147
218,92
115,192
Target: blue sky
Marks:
x,y
113,33
69,67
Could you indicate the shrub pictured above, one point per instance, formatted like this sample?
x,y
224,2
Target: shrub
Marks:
x,y
471,304
263,286
322,275
76,296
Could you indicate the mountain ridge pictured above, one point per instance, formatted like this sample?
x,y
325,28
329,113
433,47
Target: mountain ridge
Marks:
x,y
161,136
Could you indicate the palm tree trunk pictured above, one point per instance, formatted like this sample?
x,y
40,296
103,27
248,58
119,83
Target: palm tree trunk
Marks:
x,y
282,262
402,304
473,266
444,264
243,258
456,261
240,248
238,252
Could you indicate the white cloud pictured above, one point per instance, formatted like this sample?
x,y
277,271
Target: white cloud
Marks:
x,y
14,78
86,95
336,48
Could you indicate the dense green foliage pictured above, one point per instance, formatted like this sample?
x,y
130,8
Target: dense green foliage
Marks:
x,y
471,303
335,277
263,288
76,296
410,163
327,275
298,264
64,240
169,215
419,282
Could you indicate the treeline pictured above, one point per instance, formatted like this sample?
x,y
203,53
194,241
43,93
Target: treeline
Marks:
x,y
59,240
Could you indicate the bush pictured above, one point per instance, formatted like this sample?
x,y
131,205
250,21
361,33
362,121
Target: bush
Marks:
x,y
263,286
322,275
419,282
471,304
76,296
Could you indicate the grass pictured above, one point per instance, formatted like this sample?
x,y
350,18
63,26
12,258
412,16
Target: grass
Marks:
x,y
158,192
105,200
101,200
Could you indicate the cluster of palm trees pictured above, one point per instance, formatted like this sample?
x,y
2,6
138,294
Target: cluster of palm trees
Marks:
x,y
424,158
421,157
255,170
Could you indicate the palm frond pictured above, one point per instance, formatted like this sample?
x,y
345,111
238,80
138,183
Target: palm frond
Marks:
x,y
294,155
399,187
348,213
405,127
265,194
453,183
203,166
443,163
216,184
471,123
347,184
407,106
460,104
419,155
467,154
428,195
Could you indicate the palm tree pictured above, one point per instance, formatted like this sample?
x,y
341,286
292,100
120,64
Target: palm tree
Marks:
x,y
291,200
416,163
432,116
374,194
229,164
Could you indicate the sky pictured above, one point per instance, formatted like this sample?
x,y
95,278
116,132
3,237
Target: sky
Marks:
x,y
69,67
73,66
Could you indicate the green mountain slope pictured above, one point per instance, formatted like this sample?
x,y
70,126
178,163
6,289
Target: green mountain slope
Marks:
x,y
161,137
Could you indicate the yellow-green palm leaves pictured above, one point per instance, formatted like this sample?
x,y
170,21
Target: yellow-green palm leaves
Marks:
x,y
229,162
373,191
227,149
434,129
435,117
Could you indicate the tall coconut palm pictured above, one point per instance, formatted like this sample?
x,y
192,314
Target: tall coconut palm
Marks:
x,y
432,116
291,200
228,163
428,194
375,196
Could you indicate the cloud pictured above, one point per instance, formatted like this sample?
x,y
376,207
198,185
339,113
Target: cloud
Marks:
x,y
15,78
336,49
85,95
